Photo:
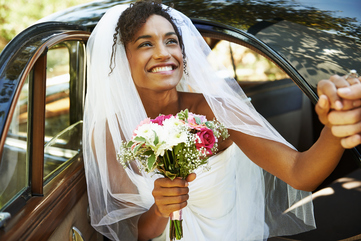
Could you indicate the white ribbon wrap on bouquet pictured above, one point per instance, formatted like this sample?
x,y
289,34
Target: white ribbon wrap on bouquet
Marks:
x,y
177,215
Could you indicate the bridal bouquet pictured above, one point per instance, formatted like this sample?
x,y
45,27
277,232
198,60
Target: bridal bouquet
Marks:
x,y
173,146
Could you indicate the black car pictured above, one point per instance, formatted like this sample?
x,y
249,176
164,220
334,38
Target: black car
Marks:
x,y
277,50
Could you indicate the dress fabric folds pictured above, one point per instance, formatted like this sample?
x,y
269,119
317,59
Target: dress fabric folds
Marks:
x,y
226,202
216,211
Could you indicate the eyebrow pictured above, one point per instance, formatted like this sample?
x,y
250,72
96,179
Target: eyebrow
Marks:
x,y
149,36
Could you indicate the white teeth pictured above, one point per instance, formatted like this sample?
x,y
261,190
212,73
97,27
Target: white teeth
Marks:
x,y
160,69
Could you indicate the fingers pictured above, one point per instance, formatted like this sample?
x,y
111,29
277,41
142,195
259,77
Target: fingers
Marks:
x,y
191,177
339,81
329,89
170,195
345,117
351,141
352,92
170,191
346,130
347,125
322,108
166,182
343,96
353,81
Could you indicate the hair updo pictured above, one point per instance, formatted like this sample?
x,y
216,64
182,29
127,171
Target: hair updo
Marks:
x,y
133,18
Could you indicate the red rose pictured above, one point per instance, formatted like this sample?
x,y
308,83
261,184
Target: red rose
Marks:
x,y
159,120
206,139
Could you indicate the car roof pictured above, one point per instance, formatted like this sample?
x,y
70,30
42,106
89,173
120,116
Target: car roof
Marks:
x,y
336,17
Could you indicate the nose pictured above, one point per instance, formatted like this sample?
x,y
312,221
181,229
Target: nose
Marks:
x,y
161,52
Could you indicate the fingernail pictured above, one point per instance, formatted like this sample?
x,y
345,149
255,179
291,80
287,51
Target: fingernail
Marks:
x,y
187,184
322,101
344,90
338,105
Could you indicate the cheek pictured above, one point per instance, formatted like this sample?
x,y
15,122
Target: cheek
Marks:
x,y
133,60
178,55
136,69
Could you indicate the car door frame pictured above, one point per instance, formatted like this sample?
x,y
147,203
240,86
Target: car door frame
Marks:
x,y
40,208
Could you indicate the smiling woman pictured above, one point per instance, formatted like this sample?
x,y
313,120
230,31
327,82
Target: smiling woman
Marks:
x,y
147,79
155,60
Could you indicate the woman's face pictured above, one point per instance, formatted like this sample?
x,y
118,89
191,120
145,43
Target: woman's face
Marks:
x,y
155,57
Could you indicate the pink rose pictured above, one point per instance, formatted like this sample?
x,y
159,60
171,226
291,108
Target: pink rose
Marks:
x,y
206,139
159,120
191,120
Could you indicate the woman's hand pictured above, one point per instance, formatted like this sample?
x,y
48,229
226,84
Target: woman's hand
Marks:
x,y
171,195
339,108
329,99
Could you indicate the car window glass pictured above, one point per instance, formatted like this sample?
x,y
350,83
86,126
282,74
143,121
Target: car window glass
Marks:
x,y
271,91
14,162
62,138
244,64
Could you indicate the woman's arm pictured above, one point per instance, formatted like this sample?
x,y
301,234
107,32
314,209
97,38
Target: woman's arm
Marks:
x,y
151,224
302,170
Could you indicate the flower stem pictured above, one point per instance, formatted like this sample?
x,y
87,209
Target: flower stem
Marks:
x,y
176,230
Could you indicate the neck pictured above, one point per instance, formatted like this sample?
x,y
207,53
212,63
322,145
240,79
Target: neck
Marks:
x,y
166,103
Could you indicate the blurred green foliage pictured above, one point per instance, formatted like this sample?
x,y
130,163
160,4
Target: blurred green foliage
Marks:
x,y
16,15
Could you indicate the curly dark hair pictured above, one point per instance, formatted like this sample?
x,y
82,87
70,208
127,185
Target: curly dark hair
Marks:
x,y
134,17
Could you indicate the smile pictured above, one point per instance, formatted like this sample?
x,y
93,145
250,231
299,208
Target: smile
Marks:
x,y
161,69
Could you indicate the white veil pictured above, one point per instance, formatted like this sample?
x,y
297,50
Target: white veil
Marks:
x,y
117,196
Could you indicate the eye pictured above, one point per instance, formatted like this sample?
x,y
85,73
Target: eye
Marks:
x,y
172,41
145,44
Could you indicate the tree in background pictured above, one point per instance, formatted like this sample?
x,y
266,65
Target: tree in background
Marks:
x,y
16,15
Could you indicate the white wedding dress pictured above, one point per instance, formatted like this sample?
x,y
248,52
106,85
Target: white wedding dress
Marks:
x,y
226,202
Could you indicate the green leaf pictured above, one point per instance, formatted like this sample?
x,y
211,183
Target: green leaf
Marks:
x,y
209,124
156,139
151,161
136,148
198,120
177,148
130,143
140,139
186,114
183,115
170,175
148,153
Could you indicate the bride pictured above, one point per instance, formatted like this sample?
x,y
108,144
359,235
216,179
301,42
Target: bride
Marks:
x,y
145,60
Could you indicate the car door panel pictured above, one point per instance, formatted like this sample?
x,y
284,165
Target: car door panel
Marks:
x,y
48,206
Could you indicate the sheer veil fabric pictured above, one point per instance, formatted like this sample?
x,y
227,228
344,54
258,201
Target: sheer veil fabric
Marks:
x,y
113,109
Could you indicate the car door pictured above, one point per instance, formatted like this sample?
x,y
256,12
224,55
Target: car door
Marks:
x,y
42,90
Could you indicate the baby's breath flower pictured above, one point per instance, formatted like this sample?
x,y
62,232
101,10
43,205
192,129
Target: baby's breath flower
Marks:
x,y
169,147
